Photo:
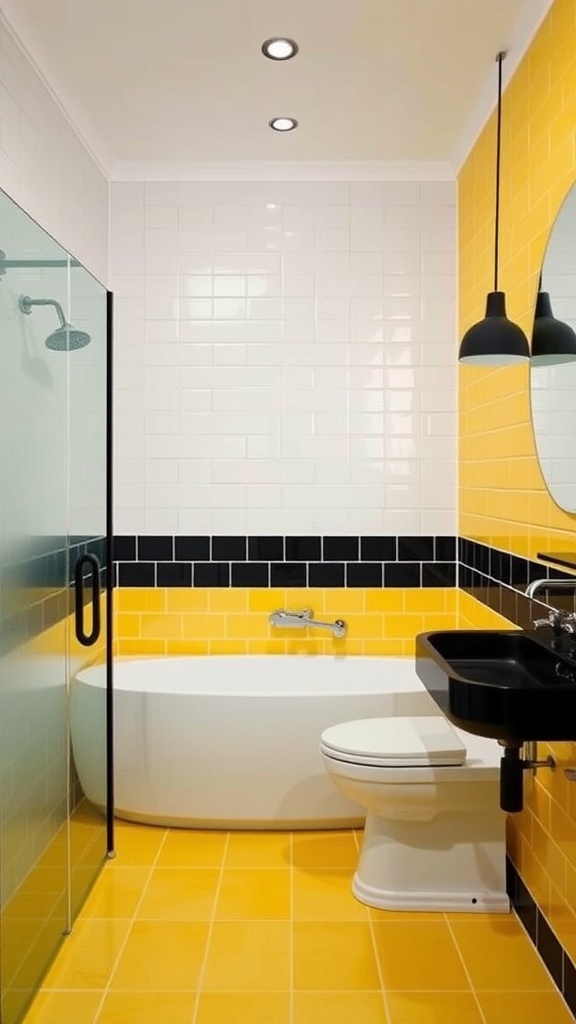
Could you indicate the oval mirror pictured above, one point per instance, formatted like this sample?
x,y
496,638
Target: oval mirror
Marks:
x,y
553,363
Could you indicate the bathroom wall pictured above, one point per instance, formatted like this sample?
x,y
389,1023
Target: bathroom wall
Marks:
x,y
285,416
505,508
284,357
44,165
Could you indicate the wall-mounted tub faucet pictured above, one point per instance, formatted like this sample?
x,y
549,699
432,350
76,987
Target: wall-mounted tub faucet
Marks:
x,y
302,619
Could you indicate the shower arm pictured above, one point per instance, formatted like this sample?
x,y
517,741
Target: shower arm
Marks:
x,y
26,304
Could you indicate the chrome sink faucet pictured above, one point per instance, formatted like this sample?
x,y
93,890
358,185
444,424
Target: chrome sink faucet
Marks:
x,y
302,619
563,623
537,585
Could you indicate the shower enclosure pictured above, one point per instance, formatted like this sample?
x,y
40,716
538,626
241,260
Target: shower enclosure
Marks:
x,y
55,590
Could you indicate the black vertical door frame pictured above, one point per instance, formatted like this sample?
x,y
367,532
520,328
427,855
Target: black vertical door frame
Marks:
x,y
109,579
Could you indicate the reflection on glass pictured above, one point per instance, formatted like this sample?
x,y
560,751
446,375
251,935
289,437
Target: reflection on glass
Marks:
x,y
553,388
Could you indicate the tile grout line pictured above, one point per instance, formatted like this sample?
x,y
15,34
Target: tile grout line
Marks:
x,y
383,992
202,971
466,972
130,926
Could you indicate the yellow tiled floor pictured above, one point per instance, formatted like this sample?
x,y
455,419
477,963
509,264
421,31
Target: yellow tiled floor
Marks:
x,y
262,928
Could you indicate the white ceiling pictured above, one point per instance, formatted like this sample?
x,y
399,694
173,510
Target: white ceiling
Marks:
x,y
184,80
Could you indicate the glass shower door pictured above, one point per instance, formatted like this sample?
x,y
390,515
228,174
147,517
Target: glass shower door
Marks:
x,y
53,617
88,628
34,596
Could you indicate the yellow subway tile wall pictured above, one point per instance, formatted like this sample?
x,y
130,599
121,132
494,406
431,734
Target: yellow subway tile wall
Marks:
x,y
503,498
213,620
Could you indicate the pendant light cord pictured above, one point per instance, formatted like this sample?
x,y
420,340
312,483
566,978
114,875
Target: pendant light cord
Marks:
x,y
499,58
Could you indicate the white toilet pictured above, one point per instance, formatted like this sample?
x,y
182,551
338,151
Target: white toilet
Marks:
x,y
435,835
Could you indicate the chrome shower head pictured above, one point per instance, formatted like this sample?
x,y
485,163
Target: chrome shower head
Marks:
x,y
65,338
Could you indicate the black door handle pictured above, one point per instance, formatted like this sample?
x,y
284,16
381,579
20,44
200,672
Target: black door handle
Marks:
x,y
87,639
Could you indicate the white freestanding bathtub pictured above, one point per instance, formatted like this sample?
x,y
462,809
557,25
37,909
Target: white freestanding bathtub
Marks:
x,y
232,742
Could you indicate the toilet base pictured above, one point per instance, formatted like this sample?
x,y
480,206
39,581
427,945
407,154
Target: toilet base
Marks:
x,y
453,902
455,862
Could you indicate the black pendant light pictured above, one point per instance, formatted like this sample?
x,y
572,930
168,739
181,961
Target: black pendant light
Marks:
x,y
495,341
553,341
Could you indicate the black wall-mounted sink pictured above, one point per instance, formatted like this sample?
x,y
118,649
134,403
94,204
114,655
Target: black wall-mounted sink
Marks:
x,y
511,685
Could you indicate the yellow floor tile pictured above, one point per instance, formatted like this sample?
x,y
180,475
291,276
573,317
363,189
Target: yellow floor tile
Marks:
x,y
87,956
418,956
146,1008
137,845
254,895
64,1008
528,1007
248,955
161,956
244,1008
498,954
180,894
334,956
436,1008
325,850
258,850
325,895
185,849
116,892
339,1008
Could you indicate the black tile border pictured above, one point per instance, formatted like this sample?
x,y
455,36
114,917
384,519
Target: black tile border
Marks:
x,y
277,561
539,931
499,579
38,585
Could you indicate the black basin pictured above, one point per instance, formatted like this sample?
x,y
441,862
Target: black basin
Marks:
x,y
511,685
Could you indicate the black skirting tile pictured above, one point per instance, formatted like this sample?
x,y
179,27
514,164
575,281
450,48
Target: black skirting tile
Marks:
x,y
211,574
439,574
402,574
265,549
249,574
415,549
303,549
340,549
364,574
550,949
228,549
192,549
174,574
155,549
378,549
325,574
136,574
521,899
570,984
288,574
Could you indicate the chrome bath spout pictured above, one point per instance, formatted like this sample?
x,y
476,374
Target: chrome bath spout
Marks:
x,y
303,619
537,585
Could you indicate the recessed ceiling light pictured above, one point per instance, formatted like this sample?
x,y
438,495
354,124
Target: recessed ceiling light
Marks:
x,y
283,124
279,48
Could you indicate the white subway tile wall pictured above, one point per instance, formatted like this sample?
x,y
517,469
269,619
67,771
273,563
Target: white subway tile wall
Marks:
x,y
285,357
44,165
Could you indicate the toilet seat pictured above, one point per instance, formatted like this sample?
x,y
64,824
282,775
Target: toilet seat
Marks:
x,y
420,742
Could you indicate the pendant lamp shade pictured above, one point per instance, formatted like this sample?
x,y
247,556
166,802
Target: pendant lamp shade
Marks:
x,y
495,340
553,341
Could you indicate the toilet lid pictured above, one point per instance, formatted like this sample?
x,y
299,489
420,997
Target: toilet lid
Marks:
x,y
394,742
